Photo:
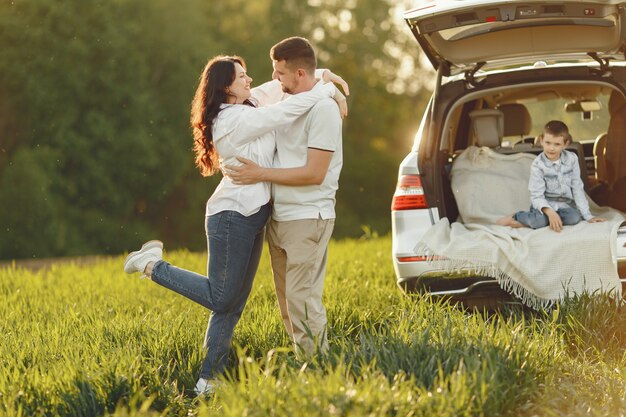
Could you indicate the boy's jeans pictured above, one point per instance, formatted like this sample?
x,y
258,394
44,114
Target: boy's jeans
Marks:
x,y
535,219
234,243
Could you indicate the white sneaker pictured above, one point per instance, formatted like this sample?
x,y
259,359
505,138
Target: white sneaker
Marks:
x,y
150,251
205,387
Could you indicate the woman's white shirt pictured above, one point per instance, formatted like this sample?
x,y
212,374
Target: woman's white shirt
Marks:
x,y
242,130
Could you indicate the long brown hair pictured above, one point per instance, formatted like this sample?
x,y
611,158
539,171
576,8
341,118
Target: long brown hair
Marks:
x,y
217,75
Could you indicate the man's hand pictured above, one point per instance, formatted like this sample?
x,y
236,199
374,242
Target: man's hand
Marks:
x,y
329,77
248,173
596,220
556,223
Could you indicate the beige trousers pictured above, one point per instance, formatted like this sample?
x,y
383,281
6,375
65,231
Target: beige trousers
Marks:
x,y
298,251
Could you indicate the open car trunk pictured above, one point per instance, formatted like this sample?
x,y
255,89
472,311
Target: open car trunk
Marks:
x,y
462,36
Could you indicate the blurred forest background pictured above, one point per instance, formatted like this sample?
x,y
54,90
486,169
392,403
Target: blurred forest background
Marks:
x,y
95,144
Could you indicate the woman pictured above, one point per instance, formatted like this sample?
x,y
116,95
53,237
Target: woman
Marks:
x,y
226,125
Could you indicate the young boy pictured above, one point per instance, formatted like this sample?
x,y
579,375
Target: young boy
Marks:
x,y
556,189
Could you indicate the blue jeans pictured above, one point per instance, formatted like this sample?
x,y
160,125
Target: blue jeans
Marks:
x,y
535,219
234,243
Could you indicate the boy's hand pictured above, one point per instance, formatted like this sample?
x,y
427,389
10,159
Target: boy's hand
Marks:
x,y
596,220
556,223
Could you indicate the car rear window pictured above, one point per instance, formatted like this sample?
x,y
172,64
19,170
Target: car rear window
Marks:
x,y
582,127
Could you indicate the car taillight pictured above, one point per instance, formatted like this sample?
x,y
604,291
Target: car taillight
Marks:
x,y
409,194
412,258
418,258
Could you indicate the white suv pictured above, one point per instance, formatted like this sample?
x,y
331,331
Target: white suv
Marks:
x,y
529,62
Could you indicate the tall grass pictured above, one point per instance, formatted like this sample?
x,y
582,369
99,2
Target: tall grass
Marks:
x,y
92,341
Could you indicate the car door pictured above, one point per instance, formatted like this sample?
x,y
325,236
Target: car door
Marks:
x,y
465,35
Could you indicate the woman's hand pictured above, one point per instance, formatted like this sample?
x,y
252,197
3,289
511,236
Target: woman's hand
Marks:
x,y
341,102
329,77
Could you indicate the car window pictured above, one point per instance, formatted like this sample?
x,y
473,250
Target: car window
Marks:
x,y
582,130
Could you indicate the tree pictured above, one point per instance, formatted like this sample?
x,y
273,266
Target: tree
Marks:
x,y
95,144
106,88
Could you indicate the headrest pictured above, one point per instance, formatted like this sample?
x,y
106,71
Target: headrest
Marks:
x,y
517,121
616,101
488,126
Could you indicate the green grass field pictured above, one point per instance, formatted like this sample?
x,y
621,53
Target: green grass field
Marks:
x,y
89,341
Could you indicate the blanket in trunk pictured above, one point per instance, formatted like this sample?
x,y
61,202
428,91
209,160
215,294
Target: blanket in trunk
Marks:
x,y
539,266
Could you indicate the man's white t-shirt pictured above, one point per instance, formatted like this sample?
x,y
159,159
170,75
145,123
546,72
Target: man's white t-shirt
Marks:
x,y
320,128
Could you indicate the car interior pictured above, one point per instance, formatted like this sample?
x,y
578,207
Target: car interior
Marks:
x,y
510,120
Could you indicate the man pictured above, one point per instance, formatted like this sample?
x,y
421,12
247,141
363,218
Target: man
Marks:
x,y
305,175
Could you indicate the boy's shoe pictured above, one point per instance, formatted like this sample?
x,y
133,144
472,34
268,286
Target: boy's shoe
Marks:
x,y
205,387
150,251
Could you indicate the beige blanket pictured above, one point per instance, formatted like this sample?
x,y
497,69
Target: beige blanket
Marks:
x,y
539,266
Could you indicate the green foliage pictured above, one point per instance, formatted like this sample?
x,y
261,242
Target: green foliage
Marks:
x,y
26,185
85,339
104,88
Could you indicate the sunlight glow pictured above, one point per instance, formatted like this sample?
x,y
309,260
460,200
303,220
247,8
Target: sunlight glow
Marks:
x,y
406,71
345,17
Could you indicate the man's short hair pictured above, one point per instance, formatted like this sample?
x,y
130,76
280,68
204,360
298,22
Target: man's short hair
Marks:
x,y
297,53
557,128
